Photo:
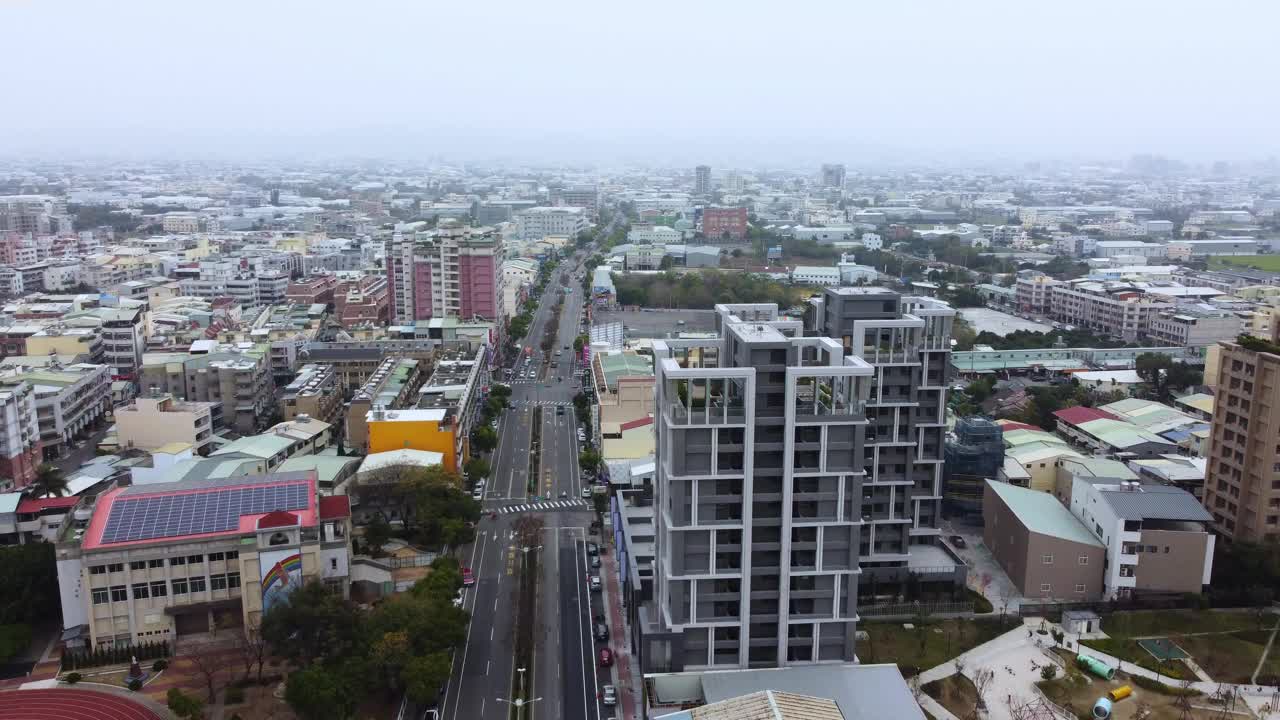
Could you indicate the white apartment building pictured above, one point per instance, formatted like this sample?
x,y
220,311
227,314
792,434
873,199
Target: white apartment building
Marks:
x,y
181,222
516,274
872,241
19,435
536,223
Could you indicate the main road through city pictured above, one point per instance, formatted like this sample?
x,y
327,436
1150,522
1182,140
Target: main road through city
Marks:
x,y
564,681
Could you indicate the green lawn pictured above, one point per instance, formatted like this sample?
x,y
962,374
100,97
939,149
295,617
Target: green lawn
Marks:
x,y
1261,262
1230,652
922,647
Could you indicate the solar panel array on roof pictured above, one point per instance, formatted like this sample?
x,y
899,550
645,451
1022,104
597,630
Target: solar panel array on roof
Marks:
x,y
159,516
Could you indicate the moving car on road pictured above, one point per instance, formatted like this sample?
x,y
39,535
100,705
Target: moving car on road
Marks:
x,y
467,577
606,657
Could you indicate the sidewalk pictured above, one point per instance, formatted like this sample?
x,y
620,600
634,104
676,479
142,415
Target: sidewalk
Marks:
x,y
625,677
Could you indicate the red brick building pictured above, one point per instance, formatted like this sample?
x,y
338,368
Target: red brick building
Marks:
x,y
719,222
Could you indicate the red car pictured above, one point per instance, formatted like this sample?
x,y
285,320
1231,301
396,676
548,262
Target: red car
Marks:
x,y
467,577
606,657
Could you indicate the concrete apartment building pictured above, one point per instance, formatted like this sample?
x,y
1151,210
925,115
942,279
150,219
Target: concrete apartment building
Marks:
x,y
538,222
586,197
394,384
1033,292
758,488
1119,310
363,302
1242,479
1156,536
69,400
124,336
236,378
316,392
234,548
20,453
833,175
1193,326
1046,551
152,422
907,340
702,180
450,272
313,289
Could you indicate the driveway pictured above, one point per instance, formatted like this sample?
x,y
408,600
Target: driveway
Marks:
x,y
985,574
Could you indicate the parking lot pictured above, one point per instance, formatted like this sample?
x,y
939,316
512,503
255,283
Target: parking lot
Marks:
x,y
1000,323
658,323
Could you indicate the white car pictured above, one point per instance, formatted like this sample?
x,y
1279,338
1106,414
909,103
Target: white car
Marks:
x,y
610,696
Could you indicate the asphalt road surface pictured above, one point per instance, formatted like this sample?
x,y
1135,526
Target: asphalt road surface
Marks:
x,y
564,681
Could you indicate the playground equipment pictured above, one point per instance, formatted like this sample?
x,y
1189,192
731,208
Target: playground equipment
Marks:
x,y
1120,693
1102,709
1096,666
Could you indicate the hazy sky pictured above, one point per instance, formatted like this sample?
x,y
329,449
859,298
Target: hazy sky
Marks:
x,y
658,81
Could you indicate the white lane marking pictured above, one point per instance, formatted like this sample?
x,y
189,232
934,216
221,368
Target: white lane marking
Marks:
x,y
484,538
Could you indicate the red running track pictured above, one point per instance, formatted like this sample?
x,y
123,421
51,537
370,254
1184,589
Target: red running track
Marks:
x,y
63,704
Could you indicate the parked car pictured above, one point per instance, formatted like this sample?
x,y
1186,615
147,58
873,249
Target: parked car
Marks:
x,y
958,541
609,696
594,583
595,562
606,657
586,492
593,549
601,632
467,577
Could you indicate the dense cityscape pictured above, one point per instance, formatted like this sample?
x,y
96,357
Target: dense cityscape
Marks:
x,y
676,361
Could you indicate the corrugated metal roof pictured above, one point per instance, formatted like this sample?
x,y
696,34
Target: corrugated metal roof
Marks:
x,y
1156,502
1041,512
1079,414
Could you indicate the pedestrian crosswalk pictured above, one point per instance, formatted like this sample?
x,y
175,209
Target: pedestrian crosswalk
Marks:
x,y
573,504
541,403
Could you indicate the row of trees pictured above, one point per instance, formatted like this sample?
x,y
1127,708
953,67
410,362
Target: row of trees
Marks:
x,y
346,653
702,290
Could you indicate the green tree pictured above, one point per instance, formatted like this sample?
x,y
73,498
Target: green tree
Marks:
x,y
28,601
49,480
589,459
477,469
424,675
312,624
484,439
320,692
183,705
376,534
432,497
579,343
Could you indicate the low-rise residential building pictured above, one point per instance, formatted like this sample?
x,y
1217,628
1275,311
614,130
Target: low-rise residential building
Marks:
x,y
1156,536
1112,248
315,392
724,223
1115,309
1046,551
153,421
366,301
1102,431
622,417
1193,326
233,549
313,289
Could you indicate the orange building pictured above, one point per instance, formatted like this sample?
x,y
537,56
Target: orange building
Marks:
x,y
431,429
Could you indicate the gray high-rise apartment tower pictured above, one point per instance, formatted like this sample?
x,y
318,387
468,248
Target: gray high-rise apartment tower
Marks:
x,y
770,499
702,180
833,176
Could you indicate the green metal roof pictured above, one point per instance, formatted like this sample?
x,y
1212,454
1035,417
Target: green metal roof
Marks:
x,y
616,365
261,446
1041,512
